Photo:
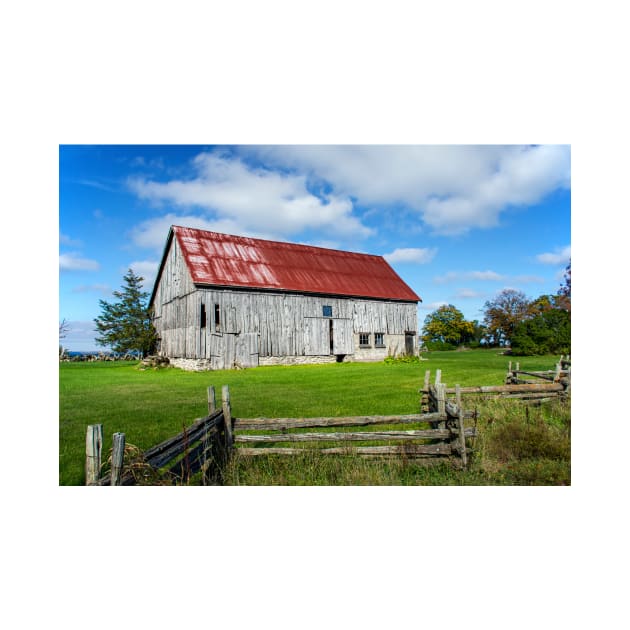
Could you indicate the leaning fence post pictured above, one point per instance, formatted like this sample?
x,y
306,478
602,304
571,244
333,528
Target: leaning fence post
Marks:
x,y
93,447
227,414
118,456
212,400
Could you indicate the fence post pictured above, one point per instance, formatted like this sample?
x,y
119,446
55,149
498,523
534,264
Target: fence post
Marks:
x,y
441,398
212,400
118,456
93,448
460,425
227,414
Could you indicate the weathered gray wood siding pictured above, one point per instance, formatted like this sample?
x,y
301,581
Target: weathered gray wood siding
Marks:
x,y
253,324
176,307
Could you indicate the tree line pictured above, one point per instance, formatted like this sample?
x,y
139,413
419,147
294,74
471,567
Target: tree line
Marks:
x,y
528,326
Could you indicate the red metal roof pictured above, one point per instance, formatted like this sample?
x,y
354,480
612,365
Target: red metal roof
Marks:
x,y
225,260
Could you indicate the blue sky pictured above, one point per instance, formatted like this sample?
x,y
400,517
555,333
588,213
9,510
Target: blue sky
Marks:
x,y
459,223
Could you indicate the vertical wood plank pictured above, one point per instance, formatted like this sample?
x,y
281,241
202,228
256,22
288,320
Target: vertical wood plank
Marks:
x,y
212,400
427,380
438,376
227,415
441,398
118,455
93,447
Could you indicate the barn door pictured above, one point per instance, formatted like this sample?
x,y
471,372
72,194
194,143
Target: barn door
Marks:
x,y
409,343
217,351
316,336
247,350
343,339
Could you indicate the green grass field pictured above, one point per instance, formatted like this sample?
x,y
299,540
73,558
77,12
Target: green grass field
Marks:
x,y
151,405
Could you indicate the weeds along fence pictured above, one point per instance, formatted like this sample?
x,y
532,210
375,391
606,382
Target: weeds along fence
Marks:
x,y
204,447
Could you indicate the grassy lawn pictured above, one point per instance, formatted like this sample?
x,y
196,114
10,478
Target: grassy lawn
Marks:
x,y
151,405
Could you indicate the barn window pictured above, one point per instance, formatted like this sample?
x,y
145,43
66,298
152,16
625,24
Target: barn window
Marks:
x,y
379,340
203,316
327,311
364,340
217,318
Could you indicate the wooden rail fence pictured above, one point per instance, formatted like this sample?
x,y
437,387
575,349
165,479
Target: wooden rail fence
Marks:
x,y
209,442
445,437
438,431
545,386
203,446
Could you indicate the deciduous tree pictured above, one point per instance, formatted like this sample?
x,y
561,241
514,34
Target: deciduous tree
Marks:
x,y
501,315
564,294
447,324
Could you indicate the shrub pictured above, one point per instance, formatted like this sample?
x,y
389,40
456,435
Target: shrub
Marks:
x,y
405,358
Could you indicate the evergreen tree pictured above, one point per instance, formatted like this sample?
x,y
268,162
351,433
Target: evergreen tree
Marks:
x,y
125,325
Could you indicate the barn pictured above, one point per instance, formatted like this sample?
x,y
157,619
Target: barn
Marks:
x,y
222,301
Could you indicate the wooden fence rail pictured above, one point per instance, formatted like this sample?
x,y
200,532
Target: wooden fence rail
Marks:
x,y
549,384
561,374
446,437
203,446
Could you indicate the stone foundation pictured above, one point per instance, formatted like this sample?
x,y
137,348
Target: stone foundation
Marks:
x,y
360,355
191,365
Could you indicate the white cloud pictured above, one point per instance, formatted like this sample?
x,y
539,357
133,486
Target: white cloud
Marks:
x,y
455,276
151,234
80,336
146,269
415,255
432,306
469,294
484,275
72,262
253,199
64,239
559,257
453,188
528,279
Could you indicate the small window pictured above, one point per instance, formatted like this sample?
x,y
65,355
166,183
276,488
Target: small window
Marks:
x,y
327,311
364,340
379,340
203,316
217,318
